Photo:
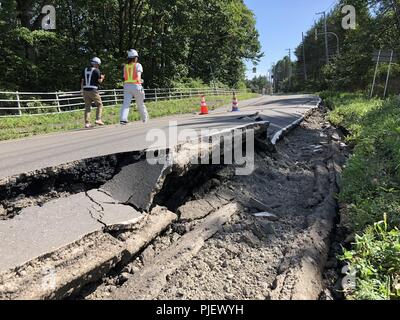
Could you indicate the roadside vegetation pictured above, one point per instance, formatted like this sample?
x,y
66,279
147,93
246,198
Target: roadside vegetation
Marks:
x,y
25,126
370,195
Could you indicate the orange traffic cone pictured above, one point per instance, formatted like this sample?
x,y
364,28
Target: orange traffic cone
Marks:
x,y
203,106
235,103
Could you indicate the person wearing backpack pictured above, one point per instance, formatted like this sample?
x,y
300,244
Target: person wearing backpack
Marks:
x,y
91,78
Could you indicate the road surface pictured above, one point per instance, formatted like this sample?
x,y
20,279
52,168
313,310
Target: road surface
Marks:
x,y
26,155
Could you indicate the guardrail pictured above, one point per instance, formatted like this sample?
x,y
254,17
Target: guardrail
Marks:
x,y
14,104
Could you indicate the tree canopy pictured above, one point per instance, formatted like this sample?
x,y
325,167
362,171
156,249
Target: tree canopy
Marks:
x,y
351,66
177,40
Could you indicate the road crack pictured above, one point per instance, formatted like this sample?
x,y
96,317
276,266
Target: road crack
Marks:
x,y
100,212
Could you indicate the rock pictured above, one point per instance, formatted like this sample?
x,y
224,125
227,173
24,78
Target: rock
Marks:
x,y
3,212
135,269
335,137
180,293
267,227
175,237
230,276
124,276
148,255
251,239
181,228
111,289
127,269
225,264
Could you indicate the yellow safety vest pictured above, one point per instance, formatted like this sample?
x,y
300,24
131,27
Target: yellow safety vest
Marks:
x,y
130,74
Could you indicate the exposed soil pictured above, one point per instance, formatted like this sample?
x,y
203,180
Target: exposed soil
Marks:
x,y
250,257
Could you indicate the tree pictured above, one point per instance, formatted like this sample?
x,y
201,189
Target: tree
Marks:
x,y
177,39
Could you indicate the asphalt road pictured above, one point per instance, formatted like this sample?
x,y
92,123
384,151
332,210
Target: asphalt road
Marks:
x,y
25,155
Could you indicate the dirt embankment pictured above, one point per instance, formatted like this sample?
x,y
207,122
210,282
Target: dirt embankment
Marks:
x,y
263,236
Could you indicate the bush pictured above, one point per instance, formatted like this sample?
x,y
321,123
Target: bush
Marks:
x,y
375,260
370,189
189,83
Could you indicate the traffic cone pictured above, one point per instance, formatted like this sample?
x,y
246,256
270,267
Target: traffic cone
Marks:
x,y
235,103
203,106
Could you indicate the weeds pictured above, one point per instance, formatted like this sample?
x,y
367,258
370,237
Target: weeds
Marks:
x,y
375,259
371,189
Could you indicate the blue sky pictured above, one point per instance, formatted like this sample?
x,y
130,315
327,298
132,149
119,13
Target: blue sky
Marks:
x,y
280,23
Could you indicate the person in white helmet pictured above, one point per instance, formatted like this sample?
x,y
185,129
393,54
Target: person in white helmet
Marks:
x,y
91,78
133,88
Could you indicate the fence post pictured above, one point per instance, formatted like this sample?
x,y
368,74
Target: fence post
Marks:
x,y
169,93
58,102
19,104
115,97
155,94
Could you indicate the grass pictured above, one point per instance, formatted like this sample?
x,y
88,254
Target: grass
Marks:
x,y
371,191
26,126
375,258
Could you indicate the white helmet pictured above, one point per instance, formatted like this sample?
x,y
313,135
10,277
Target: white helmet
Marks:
x,y
96,61
132,54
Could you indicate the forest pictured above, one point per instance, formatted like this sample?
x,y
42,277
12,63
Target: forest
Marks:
x,y
180,42
351,66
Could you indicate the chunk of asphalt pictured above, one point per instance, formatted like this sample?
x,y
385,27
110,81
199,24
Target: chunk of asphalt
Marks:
x,y
113,215
137,184
37,231
81,263
195,210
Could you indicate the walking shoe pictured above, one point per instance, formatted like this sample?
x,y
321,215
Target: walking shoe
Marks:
x,y
88,125
124,123
99,123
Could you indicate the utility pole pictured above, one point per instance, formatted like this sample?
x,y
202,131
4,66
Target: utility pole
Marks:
x,y
304,57
290,68
326,35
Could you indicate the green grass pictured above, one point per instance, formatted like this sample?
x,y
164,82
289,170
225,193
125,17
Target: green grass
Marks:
x,y
26,126
375,258
371,189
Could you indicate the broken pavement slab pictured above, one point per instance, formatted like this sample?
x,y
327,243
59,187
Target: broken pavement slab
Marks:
x,y
137,184
37,231
64,272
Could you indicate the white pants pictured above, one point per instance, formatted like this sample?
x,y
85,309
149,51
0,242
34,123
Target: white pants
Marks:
x,y
130,91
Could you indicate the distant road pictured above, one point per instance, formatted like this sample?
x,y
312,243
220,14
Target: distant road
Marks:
x,y
25,155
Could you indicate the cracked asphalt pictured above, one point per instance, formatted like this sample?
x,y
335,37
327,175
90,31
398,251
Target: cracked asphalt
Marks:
x,y
26,155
